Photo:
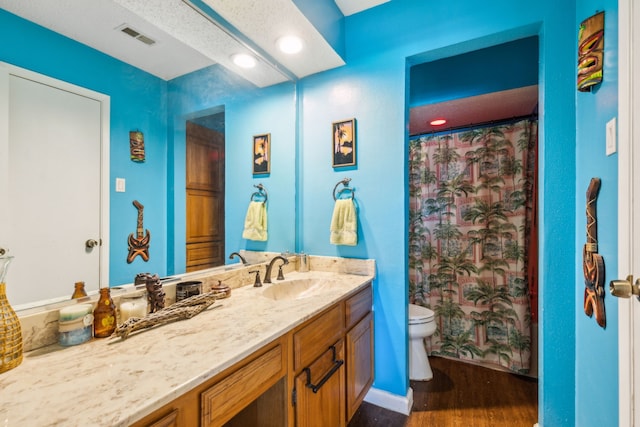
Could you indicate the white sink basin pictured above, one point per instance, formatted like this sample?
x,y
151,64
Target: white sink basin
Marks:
x,y
300,288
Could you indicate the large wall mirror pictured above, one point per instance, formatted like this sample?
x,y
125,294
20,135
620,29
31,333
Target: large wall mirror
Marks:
x,y
212,97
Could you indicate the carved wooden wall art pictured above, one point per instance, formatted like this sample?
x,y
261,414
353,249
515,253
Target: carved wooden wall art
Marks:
x,y
593,263
136,144
590,52
139,243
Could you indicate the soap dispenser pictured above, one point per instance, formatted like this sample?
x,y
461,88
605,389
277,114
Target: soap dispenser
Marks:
x,y
303,265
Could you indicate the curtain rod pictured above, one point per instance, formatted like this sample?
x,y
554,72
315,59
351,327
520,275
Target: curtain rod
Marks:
x,y
478,125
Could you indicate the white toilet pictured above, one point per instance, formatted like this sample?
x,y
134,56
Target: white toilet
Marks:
x,y
421,325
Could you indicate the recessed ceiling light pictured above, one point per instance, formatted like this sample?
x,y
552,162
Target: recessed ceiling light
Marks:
x,y
243,60
290,44
437,122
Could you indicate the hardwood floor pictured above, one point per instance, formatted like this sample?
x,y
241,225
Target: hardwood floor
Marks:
x,y
461,395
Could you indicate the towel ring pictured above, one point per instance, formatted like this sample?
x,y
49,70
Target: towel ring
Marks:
x,y
344,182
262,192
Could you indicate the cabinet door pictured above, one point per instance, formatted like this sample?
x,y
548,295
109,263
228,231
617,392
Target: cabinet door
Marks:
x,y
359,363
326,405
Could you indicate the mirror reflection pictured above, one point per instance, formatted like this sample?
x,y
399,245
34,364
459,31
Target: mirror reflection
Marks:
x,y
194,189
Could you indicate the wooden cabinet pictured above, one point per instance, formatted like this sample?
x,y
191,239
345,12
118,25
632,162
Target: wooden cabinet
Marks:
x,y
333,362
315,375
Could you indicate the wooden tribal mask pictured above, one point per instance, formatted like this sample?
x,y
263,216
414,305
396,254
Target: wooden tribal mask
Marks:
x,y
590,52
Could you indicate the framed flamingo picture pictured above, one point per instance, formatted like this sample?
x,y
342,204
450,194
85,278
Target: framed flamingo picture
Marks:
x,y
344,143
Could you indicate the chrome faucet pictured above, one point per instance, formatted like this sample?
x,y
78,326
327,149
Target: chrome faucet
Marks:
x,y
244,261
267,273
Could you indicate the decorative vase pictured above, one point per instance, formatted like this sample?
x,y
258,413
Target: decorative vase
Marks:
x,y
78,291
10,329
104,315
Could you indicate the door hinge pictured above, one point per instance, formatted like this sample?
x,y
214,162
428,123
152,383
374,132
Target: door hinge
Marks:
x,y
294,397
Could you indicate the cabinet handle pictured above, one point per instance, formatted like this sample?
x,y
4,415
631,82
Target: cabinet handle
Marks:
x,y
334,368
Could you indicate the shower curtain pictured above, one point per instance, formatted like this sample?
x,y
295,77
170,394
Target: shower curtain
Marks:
x,y
471,220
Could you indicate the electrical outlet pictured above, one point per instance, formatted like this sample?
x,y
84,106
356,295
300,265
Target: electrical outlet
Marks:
x,y
611,137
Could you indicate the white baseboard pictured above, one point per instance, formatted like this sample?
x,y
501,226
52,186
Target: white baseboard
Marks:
x,y
390,401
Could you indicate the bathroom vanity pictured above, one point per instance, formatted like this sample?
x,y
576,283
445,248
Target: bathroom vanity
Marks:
x,y
293,353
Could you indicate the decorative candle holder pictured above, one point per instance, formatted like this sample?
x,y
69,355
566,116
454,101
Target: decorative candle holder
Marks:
x,y
133,305
75,324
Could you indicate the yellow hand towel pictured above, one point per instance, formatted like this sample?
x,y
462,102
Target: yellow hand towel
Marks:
x,y
255,223
344,223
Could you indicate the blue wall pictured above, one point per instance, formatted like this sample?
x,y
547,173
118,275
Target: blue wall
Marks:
x,y
597,348
381,43
506,66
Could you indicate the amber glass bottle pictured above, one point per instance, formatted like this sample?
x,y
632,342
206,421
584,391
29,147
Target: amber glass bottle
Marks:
x,y
104,315
79,291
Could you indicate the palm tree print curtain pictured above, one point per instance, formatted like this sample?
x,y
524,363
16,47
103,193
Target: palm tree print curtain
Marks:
x,y
470,208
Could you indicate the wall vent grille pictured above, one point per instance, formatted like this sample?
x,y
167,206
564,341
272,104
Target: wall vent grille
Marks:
x,y
136,35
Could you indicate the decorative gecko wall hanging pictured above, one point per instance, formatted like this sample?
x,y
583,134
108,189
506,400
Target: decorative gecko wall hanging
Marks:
x,y
592,261
139,244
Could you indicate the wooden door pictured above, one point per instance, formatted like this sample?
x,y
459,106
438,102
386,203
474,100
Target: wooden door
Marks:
x,y
205,197
325,406
50,185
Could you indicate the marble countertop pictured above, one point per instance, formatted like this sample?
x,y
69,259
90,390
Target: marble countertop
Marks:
x,y
114,382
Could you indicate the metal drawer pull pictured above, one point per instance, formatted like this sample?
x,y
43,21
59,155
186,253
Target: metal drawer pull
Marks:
x,y
334,368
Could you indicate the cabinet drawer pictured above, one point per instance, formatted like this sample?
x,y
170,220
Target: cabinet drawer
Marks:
x,y
169,420
228,397
358,306
315,338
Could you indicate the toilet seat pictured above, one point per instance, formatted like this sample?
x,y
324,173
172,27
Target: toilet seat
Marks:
x,y
419,314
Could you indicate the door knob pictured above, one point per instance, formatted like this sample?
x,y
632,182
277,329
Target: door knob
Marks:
x,y
91,243
625,288
2,251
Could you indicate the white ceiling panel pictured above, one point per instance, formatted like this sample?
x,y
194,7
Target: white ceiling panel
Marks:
x,y
349,7
271,19
186,40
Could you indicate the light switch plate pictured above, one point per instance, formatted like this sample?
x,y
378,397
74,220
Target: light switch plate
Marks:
x,y
120,185
611,137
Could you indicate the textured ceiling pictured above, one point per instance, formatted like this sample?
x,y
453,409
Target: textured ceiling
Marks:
x,y
467,112
186,39
272,19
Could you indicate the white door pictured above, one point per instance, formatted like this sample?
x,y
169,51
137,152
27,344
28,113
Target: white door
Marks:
x,y
628,222
51,196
